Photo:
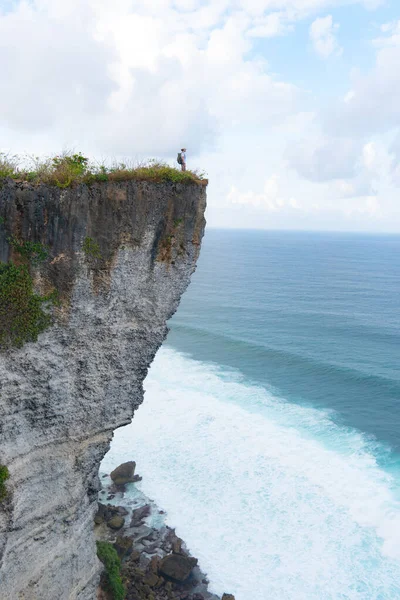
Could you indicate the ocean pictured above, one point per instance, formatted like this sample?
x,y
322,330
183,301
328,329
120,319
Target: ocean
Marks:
x,y
270,429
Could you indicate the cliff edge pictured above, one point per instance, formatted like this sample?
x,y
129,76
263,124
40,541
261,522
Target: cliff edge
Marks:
x,y
109,263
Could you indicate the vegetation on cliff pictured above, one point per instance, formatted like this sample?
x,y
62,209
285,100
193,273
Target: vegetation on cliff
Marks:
x,y
23,313
4,475
68,169
109,557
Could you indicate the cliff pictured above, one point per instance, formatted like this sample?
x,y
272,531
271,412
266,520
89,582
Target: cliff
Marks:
x,y
113,260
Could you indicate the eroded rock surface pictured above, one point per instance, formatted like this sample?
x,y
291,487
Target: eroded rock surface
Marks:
x,y
62,397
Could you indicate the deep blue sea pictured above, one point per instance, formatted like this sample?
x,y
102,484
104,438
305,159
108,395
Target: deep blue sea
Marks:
x,y
270,430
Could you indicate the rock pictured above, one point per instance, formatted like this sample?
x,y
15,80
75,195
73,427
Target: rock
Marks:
x,y
111,496
142,533
100,515
83,377
116,522
177,566
123,545
154,564
137,478
177,546
122,511
138,514
228,597
135,555
124,473
151,579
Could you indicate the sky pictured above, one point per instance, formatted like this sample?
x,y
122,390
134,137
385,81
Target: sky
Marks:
x,y
291,107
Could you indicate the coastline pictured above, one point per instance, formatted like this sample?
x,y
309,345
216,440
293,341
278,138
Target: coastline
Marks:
x,y
155,563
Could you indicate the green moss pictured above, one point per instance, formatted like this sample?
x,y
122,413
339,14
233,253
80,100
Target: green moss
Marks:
x,y
91,248
4,475
35,252
23,313
109,557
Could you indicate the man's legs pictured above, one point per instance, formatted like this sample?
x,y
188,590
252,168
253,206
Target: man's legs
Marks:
x,y
183,166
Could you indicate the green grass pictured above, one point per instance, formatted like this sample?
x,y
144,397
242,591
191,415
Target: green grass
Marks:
x,y
68,169
109,557
4,475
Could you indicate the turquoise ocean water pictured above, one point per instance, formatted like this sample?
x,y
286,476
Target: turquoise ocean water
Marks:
x,y
270,431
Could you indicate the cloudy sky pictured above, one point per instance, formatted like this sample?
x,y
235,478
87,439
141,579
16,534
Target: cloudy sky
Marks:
x,y
292,107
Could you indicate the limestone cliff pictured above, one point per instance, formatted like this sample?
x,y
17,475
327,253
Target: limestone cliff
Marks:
x,y
119,255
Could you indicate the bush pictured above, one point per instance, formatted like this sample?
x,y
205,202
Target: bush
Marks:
x,y
4,475
22,317
91,248
8,165
35,252
109,557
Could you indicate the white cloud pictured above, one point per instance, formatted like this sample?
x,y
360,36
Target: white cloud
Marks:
x,y
392,37
133,80
371,106
271,25
137,78
323,37
324,158
269,199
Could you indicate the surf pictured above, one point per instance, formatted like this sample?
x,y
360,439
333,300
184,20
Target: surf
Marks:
x,y
276,500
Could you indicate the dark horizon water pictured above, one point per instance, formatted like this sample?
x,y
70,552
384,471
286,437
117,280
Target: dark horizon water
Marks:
x,y
270,430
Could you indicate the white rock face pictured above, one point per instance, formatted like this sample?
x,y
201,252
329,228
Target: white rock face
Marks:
x,y
62,397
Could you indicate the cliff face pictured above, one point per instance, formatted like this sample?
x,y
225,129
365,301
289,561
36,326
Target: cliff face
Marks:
x,y
120,256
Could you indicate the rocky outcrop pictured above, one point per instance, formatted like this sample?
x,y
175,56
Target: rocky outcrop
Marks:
x,y
156,563
119,257
123,474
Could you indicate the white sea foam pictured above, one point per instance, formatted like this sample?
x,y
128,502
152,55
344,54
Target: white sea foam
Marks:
x,y
277,502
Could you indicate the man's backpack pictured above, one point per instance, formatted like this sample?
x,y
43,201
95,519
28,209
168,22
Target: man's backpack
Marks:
x,y
179,158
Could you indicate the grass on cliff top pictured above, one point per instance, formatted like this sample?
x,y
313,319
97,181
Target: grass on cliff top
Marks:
x,y
74,168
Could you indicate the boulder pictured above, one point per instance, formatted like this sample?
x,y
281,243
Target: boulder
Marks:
x,y
228,597
122,511
143,533
100,515
123,545
124,473
177,545
177,566
138,514
116,522
151,579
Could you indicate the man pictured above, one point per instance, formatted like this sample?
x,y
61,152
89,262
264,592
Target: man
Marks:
x,y
183,159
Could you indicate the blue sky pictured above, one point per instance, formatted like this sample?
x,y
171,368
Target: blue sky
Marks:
x,y
292,107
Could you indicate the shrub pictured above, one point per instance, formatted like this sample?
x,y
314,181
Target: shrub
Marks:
x,y
34,251
4,475
109,557
91,248
22,317
8,165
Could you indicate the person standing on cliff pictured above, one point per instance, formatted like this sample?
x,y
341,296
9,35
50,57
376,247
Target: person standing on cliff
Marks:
x,y
182,157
